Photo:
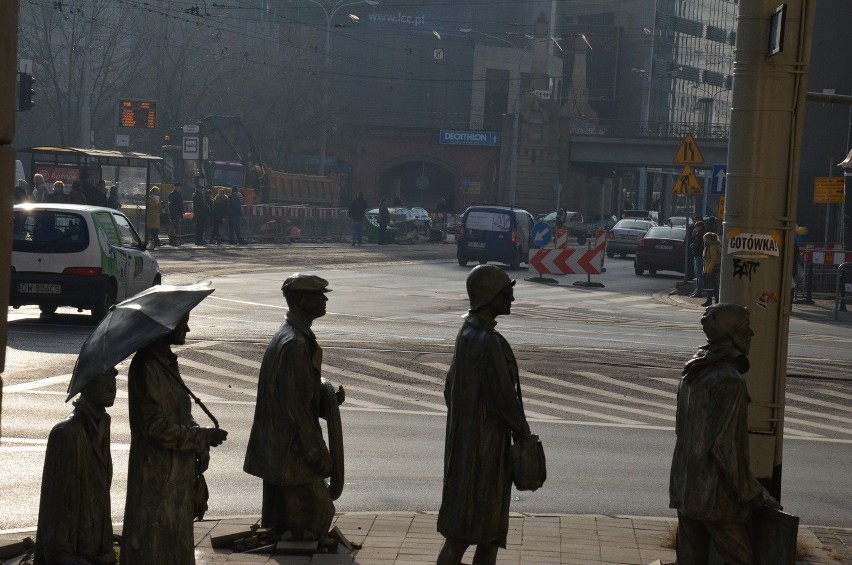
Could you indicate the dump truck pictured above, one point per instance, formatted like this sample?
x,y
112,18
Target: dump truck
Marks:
x,y
245,168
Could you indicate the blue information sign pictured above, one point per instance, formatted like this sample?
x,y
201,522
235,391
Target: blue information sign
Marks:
x,y
541,234
487,138
719,182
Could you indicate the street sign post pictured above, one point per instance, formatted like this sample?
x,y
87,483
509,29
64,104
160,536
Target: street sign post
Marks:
x,y
719,180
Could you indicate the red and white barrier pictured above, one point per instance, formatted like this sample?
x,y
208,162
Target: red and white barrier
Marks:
x,y
570,260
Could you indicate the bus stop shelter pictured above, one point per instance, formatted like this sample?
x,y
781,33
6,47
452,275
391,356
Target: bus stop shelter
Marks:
x,y
131,172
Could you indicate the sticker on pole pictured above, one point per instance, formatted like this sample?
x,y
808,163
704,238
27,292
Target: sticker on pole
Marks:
x,y
754,244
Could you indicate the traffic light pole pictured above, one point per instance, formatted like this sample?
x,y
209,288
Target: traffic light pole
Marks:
x,y
8,65
770,87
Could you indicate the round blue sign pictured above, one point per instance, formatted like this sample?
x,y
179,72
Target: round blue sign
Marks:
x,y
541,234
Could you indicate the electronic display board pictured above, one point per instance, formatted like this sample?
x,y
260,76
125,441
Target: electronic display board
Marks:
x,y
134,113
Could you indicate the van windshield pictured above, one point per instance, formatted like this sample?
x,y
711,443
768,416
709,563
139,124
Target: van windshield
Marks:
x,y
488,221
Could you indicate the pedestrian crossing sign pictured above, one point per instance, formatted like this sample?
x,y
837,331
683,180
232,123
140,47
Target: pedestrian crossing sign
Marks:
x,y
688,153
687,183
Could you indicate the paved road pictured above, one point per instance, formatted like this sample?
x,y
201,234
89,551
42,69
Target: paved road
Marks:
x,y
600,370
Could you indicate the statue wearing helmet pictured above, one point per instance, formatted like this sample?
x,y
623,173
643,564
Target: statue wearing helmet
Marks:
x,y
484,412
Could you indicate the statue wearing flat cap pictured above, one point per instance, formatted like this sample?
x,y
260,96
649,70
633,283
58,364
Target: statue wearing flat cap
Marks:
x,y
484,410
711,484
286,447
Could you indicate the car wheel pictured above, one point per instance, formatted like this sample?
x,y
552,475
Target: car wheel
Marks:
x,y
47,309
610,254
107,299
623,254
638,269
157,280
581,240
482,261
652,272
462,261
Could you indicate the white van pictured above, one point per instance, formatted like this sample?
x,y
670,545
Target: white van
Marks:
x,y
86,257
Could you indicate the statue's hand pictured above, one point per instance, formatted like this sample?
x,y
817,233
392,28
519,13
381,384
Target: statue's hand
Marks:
x,y
341,395
324,464
214,436
203,460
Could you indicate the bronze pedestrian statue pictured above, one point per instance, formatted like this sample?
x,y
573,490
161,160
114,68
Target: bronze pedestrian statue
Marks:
x,y
484,412
711,484
74,517
286,446
168,449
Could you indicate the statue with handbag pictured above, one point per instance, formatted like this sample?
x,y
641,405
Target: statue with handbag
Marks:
x,y
485,413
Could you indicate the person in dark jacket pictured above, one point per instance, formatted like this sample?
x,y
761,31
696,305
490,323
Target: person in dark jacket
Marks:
x,y
113,200
484,412
384,219
711,484
357,211
201,213
220,210
175,214
235,218
74,515
286,447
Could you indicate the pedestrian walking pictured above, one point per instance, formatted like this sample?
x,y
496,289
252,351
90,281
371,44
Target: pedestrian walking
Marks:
x,y
484,412
235,217
384,218
40,188
200,214
113,200
696,249
711,484
357,211
712,258
220,210
153,216
175,214
60,193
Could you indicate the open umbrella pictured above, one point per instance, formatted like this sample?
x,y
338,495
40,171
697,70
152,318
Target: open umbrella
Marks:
x,y
131,325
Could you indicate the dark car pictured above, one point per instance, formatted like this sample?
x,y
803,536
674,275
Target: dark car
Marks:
x,y
661,249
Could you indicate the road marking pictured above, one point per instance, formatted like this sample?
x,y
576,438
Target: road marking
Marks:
x,y
822,403
632,386
38,383
225,356
381,394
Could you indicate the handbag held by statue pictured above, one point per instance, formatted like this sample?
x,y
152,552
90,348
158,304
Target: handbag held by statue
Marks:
x,y
528,463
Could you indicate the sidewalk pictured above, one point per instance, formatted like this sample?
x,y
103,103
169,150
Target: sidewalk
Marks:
x,y
409,538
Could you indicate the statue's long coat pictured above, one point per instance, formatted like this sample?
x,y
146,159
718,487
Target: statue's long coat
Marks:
x,y
165,442
74,518
483,408
710,475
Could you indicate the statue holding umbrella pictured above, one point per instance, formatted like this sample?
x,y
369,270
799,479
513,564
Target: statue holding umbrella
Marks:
x,y
168,449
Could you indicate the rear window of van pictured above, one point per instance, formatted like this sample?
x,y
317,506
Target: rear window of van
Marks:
x,y
488,221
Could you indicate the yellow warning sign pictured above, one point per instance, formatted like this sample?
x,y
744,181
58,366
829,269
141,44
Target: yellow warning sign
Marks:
x,y
688,153
828,190
720,208
687,182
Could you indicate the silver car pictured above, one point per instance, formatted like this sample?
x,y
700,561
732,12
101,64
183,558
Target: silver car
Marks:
x,y
625,235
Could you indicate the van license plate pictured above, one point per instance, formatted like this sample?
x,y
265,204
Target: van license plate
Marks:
x,y
477,244
40,288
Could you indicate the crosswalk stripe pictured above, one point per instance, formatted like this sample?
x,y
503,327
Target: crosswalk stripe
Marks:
x,y
808,423
801,411
216,370
598,391
38,383
836,394
823,403
225,356
632,386
382,394
558,407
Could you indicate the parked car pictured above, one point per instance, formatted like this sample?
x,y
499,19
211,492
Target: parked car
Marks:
x,y
494,233
86,257
573,223
661,249
652,215
624,236
678,221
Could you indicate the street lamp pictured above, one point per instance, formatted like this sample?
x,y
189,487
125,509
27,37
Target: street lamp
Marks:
x,y
329,15
521,51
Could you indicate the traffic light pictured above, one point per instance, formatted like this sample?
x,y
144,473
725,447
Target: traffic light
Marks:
x,y
25,92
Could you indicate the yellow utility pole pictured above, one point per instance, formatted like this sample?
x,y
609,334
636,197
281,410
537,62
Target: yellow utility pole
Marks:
x,y
768,109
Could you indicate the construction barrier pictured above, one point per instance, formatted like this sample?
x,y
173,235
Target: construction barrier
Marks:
x,y
563,259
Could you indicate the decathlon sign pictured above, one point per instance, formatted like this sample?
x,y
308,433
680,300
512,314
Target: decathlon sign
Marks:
x,y
486,138
754,244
